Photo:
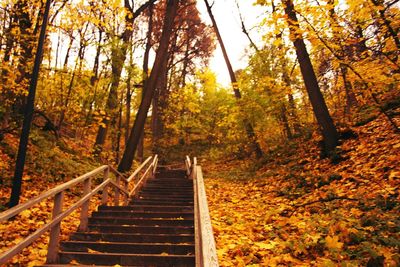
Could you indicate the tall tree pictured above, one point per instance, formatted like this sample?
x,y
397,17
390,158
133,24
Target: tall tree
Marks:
x,y
23,143
159,63
249,128
147,49
118,56
321,112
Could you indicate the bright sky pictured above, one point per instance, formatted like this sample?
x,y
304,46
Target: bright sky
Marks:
x,y
228,20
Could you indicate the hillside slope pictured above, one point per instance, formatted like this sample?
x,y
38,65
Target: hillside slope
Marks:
x,y
300,210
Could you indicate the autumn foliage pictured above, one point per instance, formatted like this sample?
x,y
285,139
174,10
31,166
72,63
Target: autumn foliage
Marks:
x,y
280,192
299,210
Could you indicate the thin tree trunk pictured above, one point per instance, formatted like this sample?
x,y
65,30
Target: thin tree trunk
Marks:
x,y
391,31
23,143
140,149
285,122
244,30
159,62
249,128
351,100
321,112
118,56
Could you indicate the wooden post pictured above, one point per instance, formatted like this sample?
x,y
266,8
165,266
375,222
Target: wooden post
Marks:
x,y
127,189
116,191
104,197
54,243
197,228
85,207
188,165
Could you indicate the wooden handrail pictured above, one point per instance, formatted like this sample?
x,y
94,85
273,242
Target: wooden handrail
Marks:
x,y
30,239
206,252
58,215
21,207
142,179
136,172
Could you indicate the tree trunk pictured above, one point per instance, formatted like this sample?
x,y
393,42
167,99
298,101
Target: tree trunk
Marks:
x,y
159,63
321,112
118,57
285,122
249,128
351,100
386,21
140,149
23,143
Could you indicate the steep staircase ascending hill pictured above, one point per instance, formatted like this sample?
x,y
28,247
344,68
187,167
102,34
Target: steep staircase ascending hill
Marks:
x,y
156,229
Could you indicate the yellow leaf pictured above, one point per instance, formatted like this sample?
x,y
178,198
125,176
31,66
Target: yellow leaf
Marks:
x,y
25,214
35,263
270,245
333,242
74,262
93,251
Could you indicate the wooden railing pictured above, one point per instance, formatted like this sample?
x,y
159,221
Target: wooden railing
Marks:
x,y
188,165
120,185
206,253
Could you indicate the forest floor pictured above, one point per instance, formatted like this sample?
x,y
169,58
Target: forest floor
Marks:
x,y
301,210
292,209
49,162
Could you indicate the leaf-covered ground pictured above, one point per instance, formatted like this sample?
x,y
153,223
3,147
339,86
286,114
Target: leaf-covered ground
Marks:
x,y
49,163
296,210
299,210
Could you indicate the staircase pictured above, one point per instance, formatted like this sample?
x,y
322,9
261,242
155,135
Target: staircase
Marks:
x,y
155,229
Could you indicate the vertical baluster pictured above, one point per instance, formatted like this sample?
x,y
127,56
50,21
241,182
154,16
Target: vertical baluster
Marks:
x,y
54,243
85,207
104,197
116,190
127,190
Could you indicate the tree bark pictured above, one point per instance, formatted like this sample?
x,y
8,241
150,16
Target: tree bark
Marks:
x,y
159,63
23,143
249,128
140,149
321,112
118,57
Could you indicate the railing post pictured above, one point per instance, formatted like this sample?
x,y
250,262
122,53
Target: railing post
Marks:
x,y
54,243
116,190
85,207
193,168
188,165
104,197
127,190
